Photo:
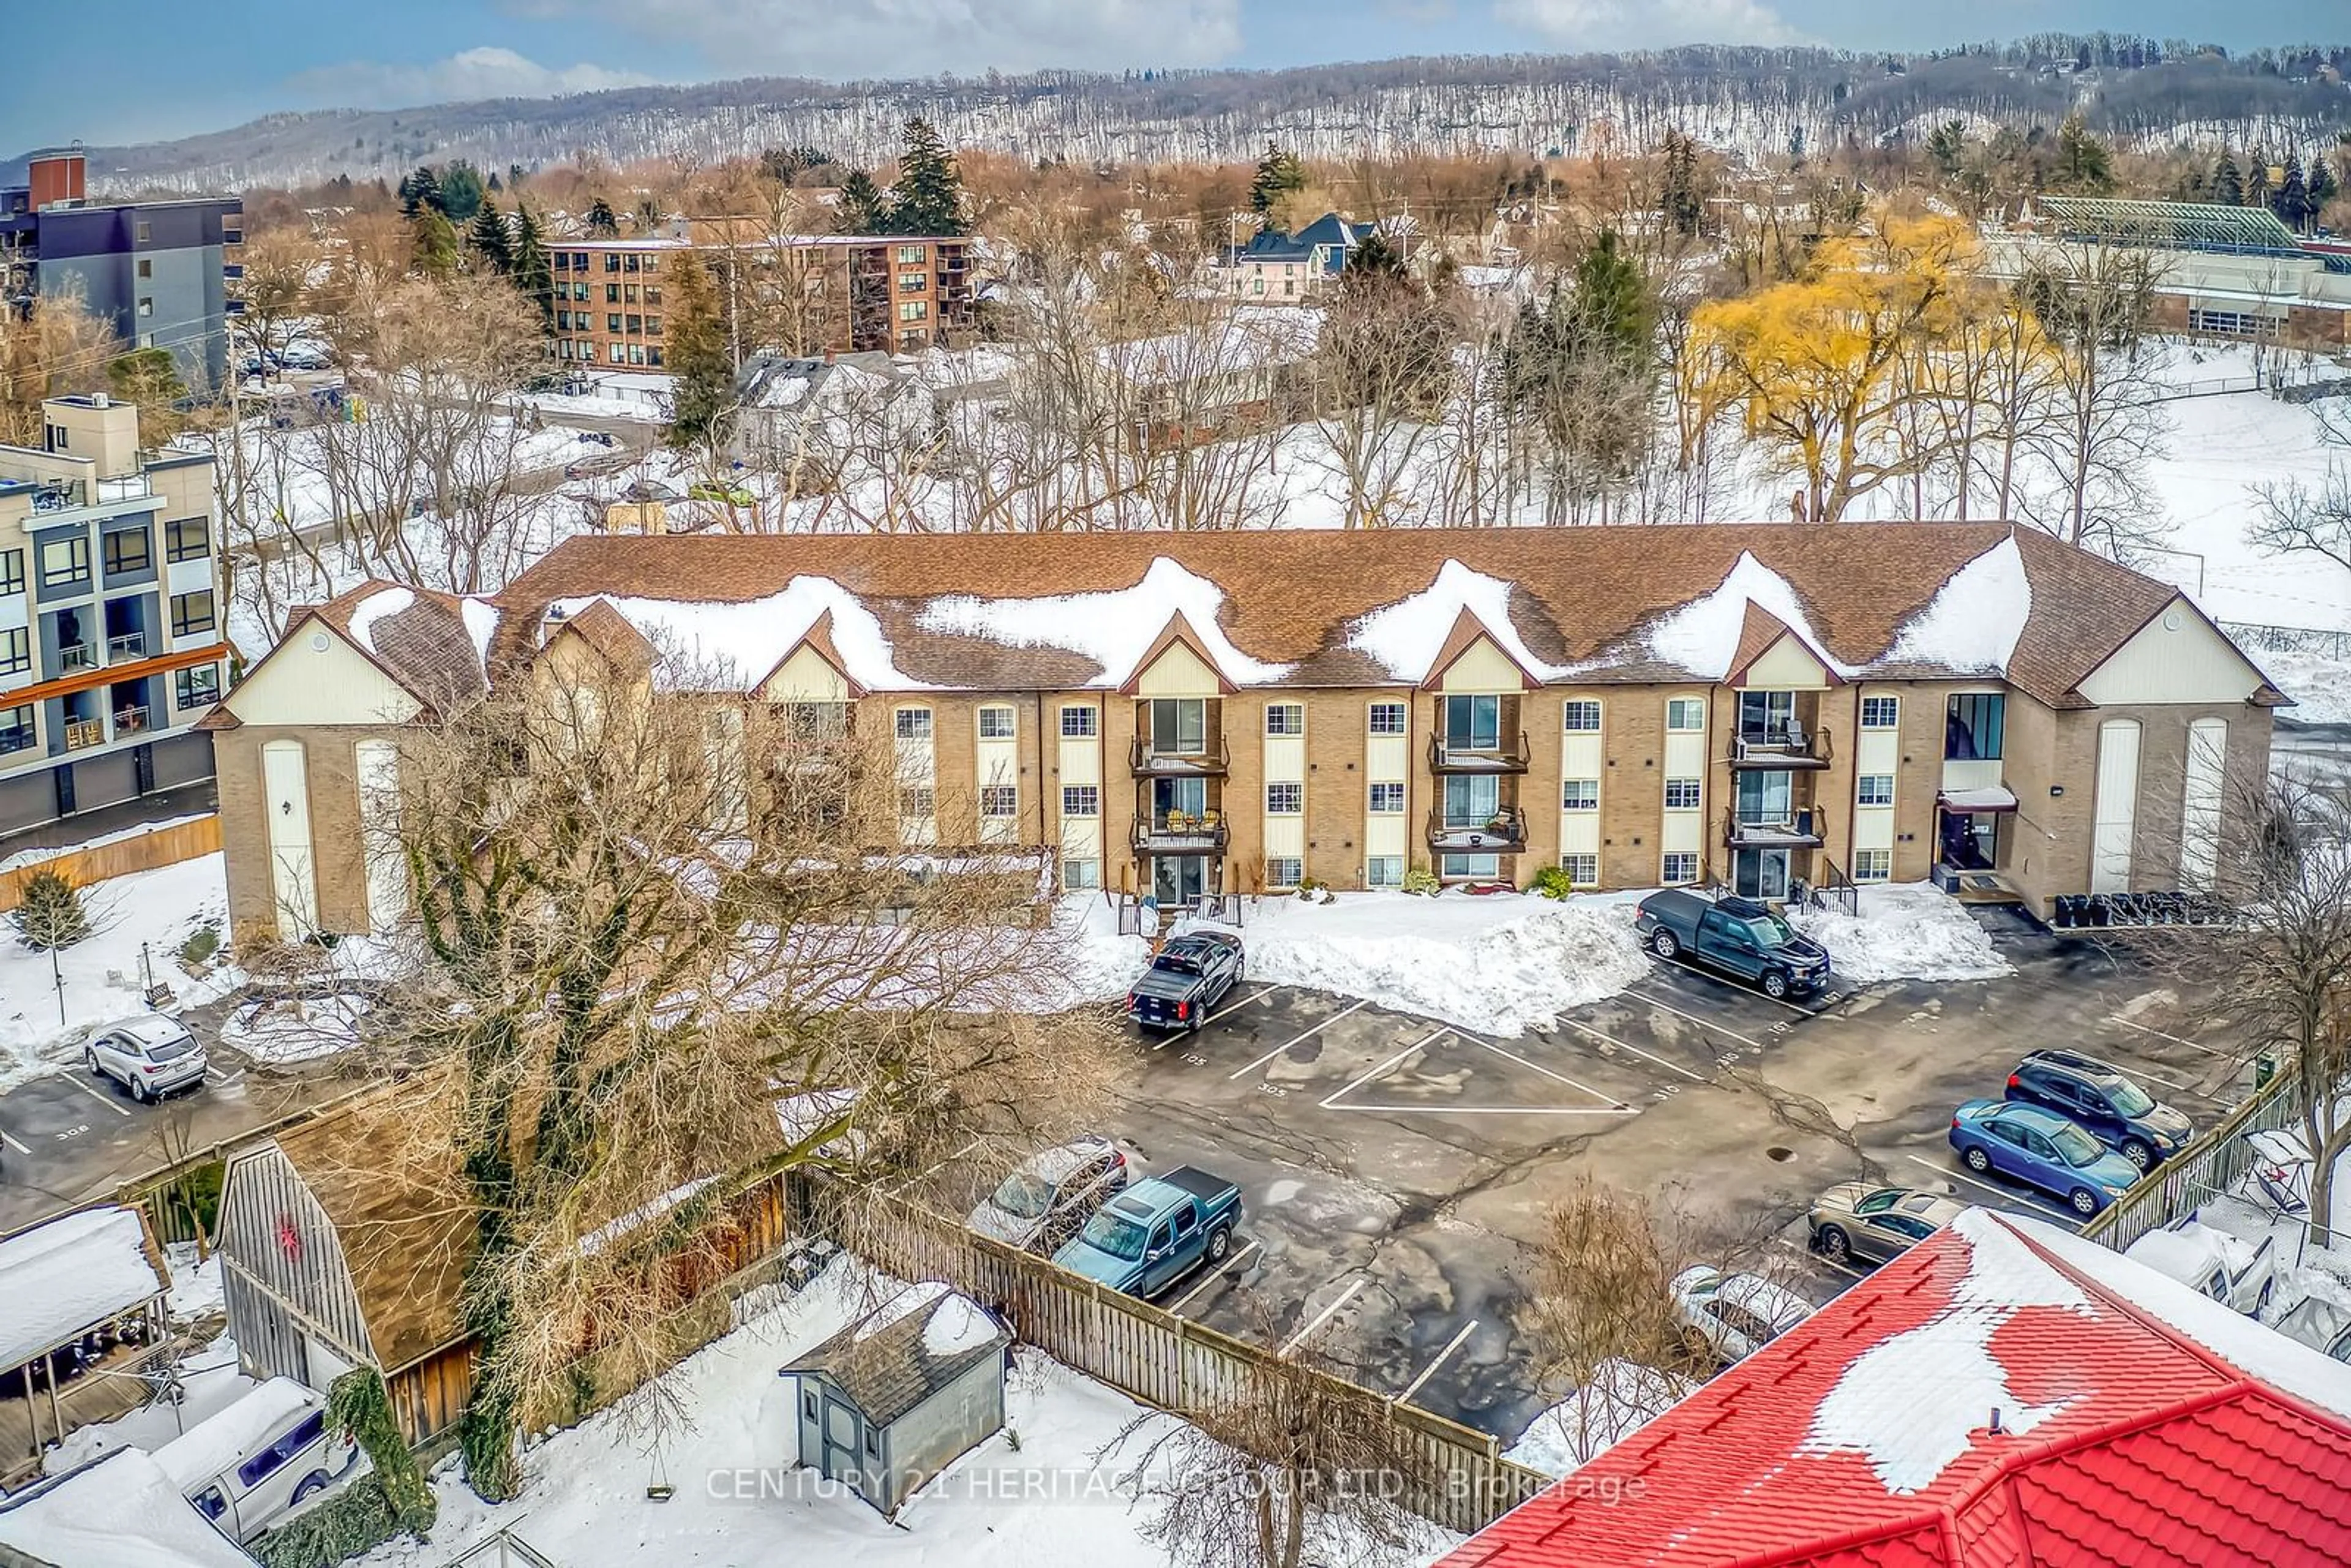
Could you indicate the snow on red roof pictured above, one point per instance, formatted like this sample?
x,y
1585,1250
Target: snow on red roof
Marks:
x,y
2138,1424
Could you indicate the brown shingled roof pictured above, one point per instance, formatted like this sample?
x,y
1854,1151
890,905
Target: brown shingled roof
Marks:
x,y
888,1370
426,647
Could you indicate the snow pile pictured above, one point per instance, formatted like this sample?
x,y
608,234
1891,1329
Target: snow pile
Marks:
x,y
1702,636
210,1383
383,603
1115,629
211,1445
1499,964
196,1286
1905,931
124,1512
1621,1397
2319,683
297,1029
1975,618
1406,636
1097,963
745,640
903,1305
959,1324
69,1276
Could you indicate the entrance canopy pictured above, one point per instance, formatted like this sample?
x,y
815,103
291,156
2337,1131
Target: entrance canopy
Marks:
x,y
1991,798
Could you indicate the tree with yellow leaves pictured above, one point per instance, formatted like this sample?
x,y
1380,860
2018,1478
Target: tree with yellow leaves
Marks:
x,y
1816,365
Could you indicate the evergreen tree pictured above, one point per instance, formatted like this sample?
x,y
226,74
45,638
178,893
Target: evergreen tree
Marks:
x,y
1946,145
602,222
2294,198
2083,162
419,192
928,198
492,244
1278,175
2321,185
701,395
2257,181
1610,305
862,209
531,271
2228,184
1678,200
434,239
1376,257
461,190
50,913
492,184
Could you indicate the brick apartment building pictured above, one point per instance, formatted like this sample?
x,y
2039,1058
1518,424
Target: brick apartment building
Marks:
x,y
1185,714
895,294
112,615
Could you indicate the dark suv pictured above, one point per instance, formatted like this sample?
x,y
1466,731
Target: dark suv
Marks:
x,y
2105,1102
1735,937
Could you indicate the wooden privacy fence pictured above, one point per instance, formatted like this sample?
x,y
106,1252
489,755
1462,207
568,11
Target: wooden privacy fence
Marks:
x,y
146,851
2214,1165
1149,1355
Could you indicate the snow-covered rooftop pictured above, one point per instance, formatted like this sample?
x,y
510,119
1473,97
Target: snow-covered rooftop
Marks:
x,y
211,1446
121,1512
60,1280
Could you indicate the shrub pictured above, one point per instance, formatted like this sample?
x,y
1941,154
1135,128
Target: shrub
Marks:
x,y
1553,881
49,912
1420,879
201,943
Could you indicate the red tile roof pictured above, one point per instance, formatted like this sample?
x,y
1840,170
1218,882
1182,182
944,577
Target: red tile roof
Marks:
x,y
2131,1435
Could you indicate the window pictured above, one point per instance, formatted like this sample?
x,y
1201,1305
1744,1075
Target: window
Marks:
x,y
618,355
652,264
2234,323
146,231
913,282
1387,798
64,561
910,255
913,724
1580,795
127,549
1682,794
652,356
16,651
914,310
1876,789
629,294
995,723
192,612
1081,874
1180,726
612,322
636,353
652,326
1458,867
817,721
199,687
1284,871
629,263
146,267
12,572
1285,718
1080,723
1973,727
1387,718
1473,724
1880,713
999,800
1872,865
612,294
1082,800
1581,715
1679,866
1285,799
1686,713
915,800
306,1431
146,305
16,729
1383,870
1582,870
579,293
637,324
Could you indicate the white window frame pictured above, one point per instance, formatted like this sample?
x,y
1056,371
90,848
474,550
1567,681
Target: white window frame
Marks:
x,y
1579,795
1873,865
1375,864
1679,707
1082,800
1089,721
1692,787
1389,790
1582,869
1890,706
1296,794
1665,867
1866,793
911,724
1003,714
1285,718
1574,709
1081,874
991,796
1284,871
1401,712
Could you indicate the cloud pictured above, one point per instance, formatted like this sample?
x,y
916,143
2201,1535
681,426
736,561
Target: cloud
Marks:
x,y
484,72
853,39
1646,23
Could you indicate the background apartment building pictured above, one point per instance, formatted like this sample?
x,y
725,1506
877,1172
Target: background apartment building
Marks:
x,y
161,272
112,615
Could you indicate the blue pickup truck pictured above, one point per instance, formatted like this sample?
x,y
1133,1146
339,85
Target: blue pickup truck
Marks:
x,y
1148,1237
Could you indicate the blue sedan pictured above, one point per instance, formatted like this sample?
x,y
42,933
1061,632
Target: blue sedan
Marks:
x,y
2040,1149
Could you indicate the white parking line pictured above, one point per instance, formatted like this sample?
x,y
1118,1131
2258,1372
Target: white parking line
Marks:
x,y
2176,1040
2012,1194
1811,1256
1497,1109
1808,1012
1702,1023
1324,1316
13,1144
1547,1072
1382,1067
1286,1044
1245,1001
94,1095
1230,1266
1430,1370
2139,1071
1611,1039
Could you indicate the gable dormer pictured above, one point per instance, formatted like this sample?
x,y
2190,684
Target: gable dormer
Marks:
x,y
1471,659
1773,654
1177,665
813,672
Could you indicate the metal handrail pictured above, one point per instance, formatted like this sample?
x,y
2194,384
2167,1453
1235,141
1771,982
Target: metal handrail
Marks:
x,y
130,645
1512,832
1496,758
1214,756
77,656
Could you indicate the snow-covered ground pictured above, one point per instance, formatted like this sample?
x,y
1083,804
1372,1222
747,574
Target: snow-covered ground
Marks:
x,y
1904,931
157,910
195,1284
300,1029
1622,1398
1498,963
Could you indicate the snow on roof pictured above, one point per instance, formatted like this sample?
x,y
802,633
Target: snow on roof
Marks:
x,y
122,1511
383,602
1115,629
481,618
1250,340
745,640
906,1304
612,1231
1973,621
1406,636
957,1325
1702,636
227,1438
64,1278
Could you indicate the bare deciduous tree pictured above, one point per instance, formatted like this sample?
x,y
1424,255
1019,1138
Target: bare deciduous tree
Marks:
x,y
2299,517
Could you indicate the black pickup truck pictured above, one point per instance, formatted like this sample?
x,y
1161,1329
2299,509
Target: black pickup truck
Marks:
x,y
1191,975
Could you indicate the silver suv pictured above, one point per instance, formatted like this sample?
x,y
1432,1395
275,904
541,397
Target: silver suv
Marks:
x,y
151,1055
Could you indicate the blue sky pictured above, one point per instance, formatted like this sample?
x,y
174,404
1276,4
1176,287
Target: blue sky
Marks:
x,y
173,67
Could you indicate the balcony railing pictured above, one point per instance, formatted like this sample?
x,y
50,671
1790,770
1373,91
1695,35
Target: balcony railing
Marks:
x,y
1501,832
130,720
1210,760
130,645
77,656
1797,831
1791,746
83,733
1179,834
1500,757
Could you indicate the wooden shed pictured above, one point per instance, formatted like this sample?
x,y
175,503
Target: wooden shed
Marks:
x,y
897,1397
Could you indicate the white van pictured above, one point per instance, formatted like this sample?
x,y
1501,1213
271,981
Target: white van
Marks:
x,y
2234,1272
245,1467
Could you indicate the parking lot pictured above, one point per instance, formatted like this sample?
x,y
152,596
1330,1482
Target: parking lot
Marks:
x,y
1394,1168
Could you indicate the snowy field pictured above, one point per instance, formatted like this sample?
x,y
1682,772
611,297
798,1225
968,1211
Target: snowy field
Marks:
x,y
156,910
1904,931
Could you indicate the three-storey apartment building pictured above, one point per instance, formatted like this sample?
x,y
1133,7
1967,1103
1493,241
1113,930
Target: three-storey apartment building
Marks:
x,y
1182,715
112,615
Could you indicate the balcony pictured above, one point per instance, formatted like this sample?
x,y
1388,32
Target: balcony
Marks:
x,y
84,733
1798,831
76,656
130,645
1496,758
1210,759
1790,747
1504,832
130,720
1179,834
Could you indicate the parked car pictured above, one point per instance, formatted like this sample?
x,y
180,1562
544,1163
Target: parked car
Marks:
x,y
1150,1236
600,438
2322,1324
1856,1220
1735,1314
733,495
2239,1274
245,1467
1737,936
2100,1098
150,1055
1043,1202
2040,1149
1189,975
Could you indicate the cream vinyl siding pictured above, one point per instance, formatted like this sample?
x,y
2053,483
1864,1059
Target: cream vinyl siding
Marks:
x,y
1583,754
1877,751
806,677
1786,665
1686,757
1388,759
2116,808
1080,762
917,769
1177,673
2177,657
1285,763
995,762
316,678
2200,804
1481,668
